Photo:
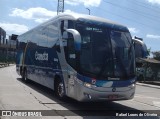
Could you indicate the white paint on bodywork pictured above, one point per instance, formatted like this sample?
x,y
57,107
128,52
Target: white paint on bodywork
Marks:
x,y
108,84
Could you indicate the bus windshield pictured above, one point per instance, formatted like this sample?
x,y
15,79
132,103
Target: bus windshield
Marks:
x,y
105,53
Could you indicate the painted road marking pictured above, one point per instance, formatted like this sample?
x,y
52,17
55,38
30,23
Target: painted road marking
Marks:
x,y
143,96
156,103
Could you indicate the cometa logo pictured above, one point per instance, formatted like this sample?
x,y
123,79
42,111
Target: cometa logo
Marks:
x,y
41,57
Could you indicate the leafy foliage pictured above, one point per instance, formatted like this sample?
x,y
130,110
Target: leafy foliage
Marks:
x,y
156,55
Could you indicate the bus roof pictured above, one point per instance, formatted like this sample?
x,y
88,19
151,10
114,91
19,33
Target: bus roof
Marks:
x,y
75,16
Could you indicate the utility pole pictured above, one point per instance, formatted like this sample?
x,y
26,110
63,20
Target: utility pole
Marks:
x,y
60,7
88,10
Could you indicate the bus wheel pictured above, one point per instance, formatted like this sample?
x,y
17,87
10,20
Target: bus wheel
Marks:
x,y
25,79
59,89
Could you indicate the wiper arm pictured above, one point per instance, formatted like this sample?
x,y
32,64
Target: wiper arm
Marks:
x,y
130,43
104,66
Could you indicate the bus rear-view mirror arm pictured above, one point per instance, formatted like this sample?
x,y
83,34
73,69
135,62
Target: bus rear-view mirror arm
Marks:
x,y
76,36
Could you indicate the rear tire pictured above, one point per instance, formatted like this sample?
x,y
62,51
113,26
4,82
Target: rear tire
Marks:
x,y
59,89
24,76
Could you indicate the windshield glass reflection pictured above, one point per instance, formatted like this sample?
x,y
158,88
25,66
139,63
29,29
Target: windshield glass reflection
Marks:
x,y
105,53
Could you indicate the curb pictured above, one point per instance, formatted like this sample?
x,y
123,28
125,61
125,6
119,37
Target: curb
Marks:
x,y
148,85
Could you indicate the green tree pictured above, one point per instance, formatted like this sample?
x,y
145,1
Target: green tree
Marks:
x,y
156,55
149,51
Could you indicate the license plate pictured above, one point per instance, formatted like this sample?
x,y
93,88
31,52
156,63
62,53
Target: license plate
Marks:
x,y
112,97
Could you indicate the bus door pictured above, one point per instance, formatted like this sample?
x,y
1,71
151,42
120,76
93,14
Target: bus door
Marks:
x,y
70,54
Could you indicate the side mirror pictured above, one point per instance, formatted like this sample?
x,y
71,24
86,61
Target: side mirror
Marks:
x,y
76,36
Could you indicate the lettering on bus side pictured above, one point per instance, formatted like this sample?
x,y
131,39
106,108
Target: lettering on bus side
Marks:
x,y
41,56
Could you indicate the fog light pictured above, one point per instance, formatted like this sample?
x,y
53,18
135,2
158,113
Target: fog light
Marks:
x,y
88,95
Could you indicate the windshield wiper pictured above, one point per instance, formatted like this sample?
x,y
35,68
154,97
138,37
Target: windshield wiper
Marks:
x,y
130,50
105,64
130,43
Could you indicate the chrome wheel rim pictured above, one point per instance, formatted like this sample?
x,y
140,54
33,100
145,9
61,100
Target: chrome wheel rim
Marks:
x,y
60,89
25,76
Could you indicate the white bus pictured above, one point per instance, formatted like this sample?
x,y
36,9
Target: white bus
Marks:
x,y
83,57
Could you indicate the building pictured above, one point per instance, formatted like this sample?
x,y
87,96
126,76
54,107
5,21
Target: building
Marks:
x,y
2,36
3,45
149,71
7,47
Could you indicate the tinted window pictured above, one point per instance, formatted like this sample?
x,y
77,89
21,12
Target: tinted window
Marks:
x,y
96,50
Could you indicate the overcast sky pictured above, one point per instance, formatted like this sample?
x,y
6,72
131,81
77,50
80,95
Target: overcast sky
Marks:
x,y
142,17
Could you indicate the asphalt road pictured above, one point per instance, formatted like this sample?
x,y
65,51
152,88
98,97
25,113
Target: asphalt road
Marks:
x,y
16,95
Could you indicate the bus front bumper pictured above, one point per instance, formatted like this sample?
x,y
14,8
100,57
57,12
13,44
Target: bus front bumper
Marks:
x,y
94,93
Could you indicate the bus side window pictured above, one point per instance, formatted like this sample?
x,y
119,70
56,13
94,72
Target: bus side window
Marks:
x,y
62,27
69,48
71,51
17,44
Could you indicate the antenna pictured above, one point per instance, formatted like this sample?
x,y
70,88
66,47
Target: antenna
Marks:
x,y
60,7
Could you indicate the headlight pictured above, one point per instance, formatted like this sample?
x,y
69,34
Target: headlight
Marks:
x,y
132,85
87,85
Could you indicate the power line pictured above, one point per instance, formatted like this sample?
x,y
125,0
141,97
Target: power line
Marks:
x,y
134,11
145,5
128,19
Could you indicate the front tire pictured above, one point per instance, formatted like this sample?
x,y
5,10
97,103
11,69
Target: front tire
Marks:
x,y
59,90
